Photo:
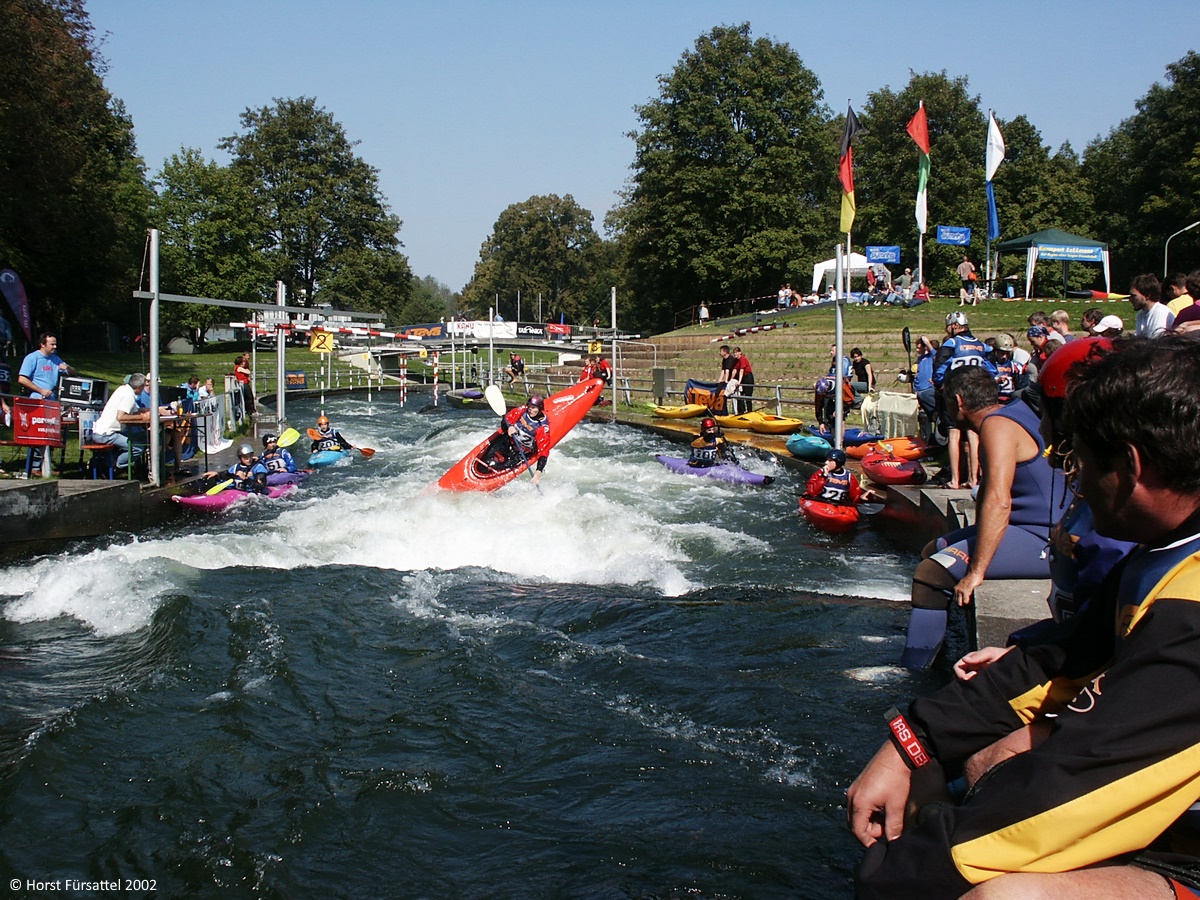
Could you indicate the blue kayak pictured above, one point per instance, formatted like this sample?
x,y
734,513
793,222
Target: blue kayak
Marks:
x,y
323,458
852,437
808,446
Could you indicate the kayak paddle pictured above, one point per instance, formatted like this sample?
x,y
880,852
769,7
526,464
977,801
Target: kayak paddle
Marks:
x,y
367,452
217,488
289,437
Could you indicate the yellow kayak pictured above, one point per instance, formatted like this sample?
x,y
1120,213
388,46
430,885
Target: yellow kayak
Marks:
x,y
775,424
745,420
687,411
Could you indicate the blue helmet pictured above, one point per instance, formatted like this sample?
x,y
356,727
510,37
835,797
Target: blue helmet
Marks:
x,y
838,456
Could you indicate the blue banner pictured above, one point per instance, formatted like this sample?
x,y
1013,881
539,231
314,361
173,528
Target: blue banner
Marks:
x,y
295,381
883,255
953,234
993,219
1066,251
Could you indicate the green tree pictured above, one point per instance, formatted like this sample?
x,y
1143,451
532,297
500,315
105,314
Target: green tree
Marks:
x,y
75,199
1145,176
371,279
213,243
541,246
731,179
322,203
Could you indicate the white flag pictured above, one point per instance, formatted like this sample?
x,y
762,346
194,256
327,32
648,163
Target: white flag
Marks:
x,y
995,147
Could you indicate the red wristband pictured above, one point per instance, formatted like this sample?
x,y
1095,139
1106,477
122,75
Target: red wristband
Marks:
x,y
906,740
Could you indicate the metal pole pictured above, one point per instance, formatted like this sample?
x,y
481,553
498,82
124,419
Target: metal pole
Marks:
x,y
518,304
491,346
614,353
281,361
1168,244
839,302
155,462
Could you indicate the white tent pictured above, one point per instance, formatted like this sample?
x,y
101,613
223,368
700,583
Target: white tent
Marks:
x,y
825,270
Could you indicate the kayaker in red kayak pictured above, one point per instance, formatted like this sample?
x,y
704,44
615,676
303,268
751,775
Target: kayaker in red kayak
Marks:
x,y
834,483
528,430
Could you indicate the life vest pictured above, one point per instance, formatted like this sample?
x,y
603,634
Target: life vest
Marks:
x,y
526,427
837,487
277,461
967,350
1007,374
705,453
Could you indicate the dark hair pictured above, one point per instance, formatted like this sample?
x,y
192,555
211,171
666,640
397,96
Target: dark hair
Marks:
x,y
1038,318
1147,394
974,384
1092,316
856,350
1148,286
44,335
1193,284
724,347
1175,280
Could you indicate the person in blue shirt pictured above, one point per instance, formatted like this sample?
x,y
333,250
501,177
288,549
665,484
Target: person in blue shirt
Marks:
x,y
923,385
41,369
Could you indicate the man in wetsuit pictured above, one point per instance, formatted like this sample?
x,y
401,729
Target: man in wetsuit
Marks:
x,y
528,430
1098,802
1019,498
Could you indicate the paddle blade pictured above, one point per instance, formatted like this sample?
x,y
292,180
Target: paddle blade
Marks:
x,y
906,336
495,399
217,488
367,452
314,434
926,631
870,509
289,437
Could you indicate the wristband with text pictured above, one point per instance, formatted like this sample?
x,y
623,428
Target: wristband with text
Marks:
x,y
906,740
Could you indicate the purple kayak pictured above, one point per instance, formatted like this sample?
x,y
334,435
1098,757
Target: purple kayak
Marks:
x,y
228,497
722,471
278,478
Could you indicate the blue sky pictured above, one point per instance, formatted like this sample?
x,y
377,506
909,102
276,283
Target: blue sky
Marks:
x,y
468,107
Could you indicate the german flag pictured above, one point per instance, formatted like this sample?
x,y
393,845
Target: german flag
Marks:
x,y
846,169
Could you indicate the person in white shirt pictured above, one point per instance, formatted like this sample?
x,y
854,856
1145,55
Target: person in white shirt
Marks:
x,y
1153,316
121,410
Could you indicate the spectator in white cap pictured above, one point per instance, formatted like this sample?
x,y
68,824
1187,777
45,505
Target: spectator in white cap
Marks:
x,y
1108,326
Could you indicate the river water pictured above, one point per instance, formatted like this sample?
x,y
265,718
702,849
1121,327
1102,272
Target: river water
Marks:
x,y
633,684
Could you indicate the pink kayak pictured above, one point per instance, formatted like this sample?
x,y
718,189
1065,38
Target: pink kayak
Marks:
x,y
228,497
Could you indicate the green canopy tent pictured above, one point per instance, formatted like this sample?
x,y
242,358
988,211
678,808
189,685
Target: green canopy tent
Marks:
x,y
1056,244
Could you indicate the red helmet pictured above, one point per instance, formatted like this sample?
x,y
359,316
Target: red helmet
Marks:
x,y
1055,375
708,423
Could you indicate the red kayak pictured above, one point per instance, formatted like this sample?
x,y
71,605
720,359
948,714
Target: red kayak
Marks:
x,y
836,518
901,448
563,410
883,468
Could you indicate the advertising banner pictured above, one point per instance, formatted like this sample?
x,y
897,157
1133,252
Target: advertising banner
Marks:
x,y
954,234
37,423
1066,251
883,255
295,381
532,330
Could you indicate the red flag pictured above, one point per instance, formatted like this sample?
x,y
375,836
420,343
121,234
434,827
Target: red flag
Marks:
x,y
918,129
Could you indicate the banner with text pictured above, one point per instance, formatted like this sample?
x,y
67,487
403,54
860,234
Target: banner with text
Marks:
x,y
1066,251
954,234
883,255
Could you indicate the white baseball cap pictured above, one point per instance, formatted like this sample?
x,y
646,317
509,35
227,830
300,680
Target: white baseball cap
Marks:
x,y
1109,324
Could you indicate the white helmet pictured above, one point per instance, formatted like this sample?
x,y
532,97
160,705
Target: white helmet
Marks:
x,y
956,318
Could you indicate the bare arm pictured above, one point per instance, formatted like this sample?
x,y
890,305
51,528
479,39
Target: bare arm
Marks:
x,y
1003,443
